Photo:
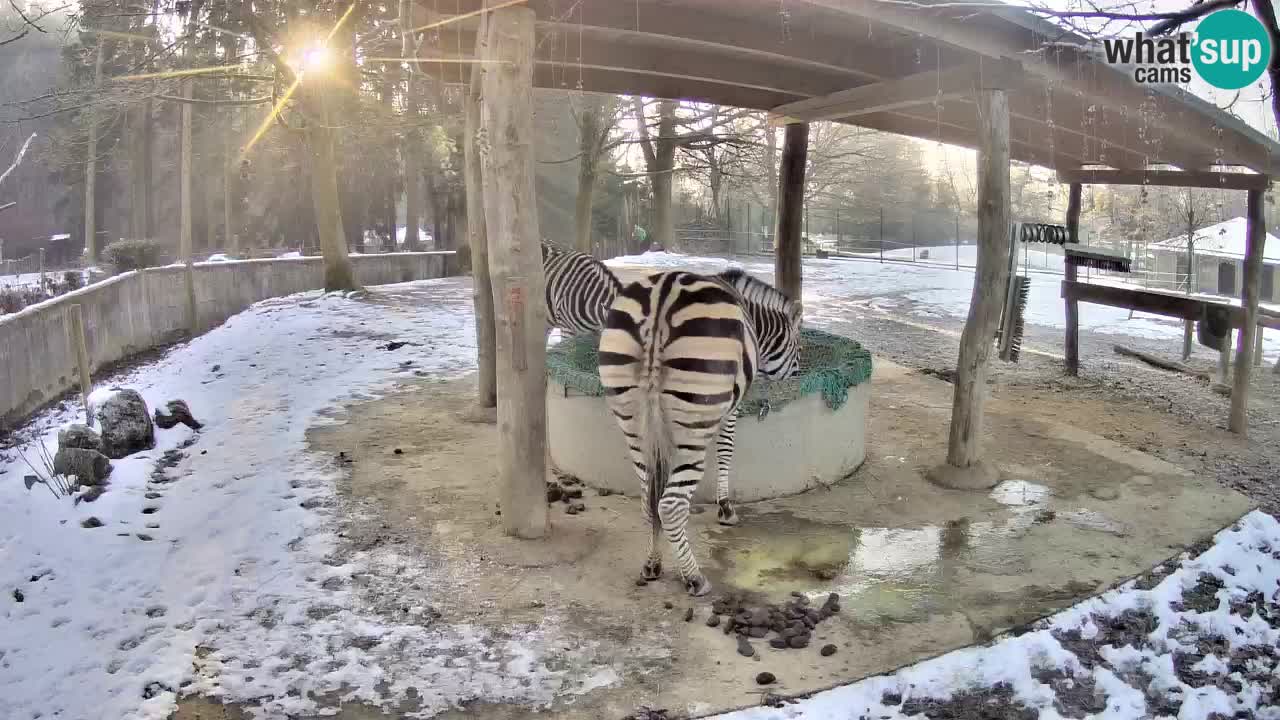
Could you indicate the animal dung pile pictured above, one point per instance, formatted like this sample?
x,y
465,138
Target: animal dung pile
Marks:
x,y
568,491
792,624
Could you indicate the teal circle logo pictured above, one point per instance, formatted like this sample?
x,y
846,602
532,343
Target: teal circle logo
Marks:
x,y
1232,49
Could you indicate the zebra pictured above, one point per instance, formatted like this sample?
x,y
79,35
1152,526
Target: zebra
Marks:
x,y
678,353
579,290
778,345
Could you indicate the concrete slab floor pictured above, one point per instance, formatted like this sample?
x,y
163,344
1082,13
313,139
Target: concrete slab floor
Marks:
x,y
921,570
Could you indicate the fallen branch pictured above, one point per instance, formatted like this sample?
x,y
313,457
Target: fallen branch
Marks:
x,y
18,160
1160,362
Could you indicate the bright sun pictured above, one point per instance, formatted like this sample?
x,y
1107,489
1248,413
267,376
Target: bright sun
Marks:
x,y
315,58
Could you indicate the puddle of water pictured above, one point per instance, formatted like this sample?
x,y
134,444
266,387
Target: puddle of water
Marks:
x,y
1020,493
882,574
1093,520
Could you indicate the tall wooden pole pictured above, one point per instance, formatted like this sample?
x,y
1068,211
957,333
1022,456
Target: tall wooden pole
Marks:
x,y
481,285
184,236
75,335
1256,228
1073,307
91,173
787,260
964,467
511,222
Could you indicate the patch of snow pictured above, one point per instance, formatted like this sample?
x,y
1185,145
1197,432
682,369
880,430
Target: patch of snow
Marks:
x,y
241,540
220,257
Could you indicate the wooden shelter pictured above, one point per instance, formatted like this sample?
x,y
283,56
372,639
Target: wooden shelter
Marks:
x,y
1000,80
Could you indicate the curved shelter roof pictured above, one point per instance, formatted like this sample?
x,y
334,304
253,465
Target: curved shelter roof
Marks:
x,y
884,64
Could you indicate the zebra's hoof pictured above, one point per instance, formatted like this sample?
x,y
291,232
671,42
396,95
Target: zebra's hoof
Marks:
x,y
652,570
697,585
727,515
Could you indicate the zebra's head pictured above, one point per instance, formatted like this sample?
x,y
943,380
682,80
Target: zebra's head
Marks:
x,y
776,319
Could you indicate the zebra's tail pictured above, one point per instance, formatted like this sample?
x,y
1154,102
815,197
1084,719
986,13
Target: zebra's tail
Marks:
x,y
656,437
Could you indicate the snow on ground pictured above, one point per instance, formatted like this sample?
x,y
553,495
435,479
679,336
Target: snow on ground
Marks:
x,y
232,549
1243,569
932,290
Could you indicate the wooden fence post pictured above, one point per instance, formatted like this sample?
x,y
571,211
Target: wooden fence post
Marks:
x,y
1069,275
75,336
511,224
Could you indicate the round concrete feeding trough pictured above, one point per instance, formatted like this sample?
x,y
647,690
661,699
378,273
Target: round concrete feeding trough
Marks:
x,y
793,434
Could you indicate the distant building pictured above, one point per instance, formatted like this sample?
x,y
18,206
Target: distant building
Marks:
x,y
1219,261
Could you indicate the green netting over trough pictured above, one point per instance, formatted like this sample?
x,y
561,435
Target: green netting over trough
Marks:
x,y
829,364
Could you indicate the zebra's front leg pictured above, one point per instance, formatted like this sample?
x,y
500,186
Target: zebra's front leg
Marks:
x,y
673,508
726,514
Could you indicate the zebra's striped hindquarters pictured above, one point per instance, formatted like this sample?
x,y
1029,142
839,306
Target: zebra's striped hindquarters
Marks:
x,y
676,356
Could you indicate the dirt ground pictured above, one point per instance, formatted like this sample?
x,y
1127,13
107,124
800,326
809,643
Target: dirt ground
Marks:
x,y
919,570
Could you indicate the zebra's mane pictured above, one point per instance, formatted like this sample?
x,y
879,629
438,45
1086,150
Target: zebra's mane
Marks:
x,y
758,293
554,248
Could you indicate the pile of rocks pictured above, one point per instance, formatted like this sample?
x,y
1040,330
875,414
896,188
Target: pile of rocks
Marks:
x,y
793,623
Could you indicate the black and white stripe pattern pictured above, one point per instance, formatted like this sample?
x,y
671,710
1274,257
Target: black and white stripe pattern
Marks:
x,y
773,319
579,290
677,355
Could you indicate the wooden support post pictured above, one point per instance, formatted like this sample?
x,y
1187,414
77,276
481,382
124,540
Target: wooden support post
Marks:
x,y
1256,230
964,467
75,336
511,222
1072,307
1224,360
481,285
184,236
1257,347
41,270
787,261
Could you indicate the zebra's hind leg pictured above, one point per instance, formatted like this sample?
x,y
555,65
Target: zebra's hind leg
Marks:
x,y
726,514
653,562
673,508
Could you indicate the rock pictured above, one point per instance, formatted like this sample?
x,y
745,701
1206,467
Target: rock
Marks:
x,y
79,436
575,508
828,650
398,451
744,647
765,678
799,641
91,522
18,596
554,493
668,605
126,425
641,582
713,621
758,632
688,615
89,467
604,492
573,493
178,413
779,643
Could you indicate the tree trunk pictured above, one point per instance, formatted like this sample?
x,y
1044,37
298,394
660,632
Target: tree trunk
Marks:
x,y
590,120
338,272
771,167
482,288
518,284
91,172
964,448
230,238
795,152
664,180
184,232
